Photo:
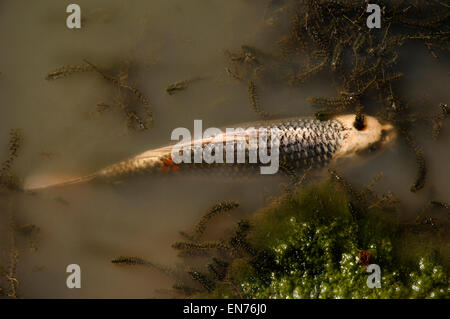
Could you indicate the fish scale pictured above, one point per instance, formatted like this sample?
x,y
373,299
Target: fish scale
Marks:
x,y
303,143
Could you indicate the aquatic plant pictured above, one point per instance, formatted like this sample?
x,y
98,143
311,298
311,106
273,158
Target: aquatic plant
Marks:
x,y
10,250
136,261
194,247
123,100
126,95
7,179
178,86
438,120
68,70
328,36
219,208
254,100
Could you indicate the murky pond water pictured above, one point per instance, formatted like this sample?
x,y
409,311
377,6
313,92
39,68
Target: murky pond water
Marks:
x,y
165,41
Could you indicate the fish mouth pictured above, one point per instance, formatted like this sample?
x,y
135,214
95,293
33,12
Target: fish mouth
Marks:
x,y
388,136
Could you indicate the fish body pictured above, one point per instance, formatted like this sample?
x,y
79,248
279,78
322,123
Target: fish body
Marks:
x,y
303,143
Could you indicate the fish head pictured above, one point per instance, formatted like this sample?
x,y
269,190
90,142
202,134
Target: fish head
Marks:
x,y
373,138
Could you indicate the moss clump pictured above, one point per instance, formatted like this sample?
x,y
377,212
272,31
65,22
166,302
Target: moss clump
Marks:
x,y
310,245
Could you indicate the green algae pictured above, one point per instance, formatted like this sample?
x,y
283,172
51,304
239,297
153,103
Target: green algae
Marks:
x,y
309,244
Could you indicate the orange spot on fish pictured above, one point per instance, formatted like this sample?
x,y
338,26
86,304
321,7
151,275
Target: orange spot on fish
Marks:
x,y
169,165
